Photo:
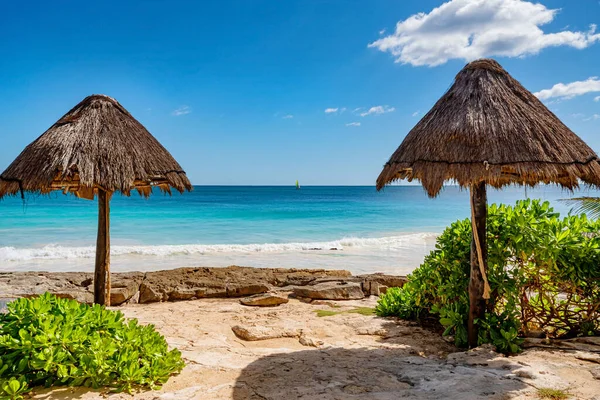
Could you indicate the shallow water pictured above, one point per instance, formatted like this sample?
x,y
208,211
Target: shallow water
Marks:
x,y
354,228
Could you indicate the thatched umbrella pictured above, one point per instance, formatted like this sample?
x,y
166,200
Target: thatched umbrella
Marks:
x,y
97,148
487,129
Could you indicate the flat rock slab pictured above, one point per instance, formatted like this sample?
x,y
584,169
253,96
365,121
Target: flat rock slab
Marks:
x,y
384,280
69,285
331,291
255,333
264,300
196,283
124,287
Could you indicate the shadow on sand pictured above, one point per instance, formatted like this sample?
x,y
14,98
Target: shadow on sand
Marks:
x,y
403,365
338,373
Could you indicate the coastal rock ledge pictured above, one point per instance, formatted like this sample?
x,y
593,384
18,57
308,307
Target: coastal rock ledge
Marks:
x,y
195,283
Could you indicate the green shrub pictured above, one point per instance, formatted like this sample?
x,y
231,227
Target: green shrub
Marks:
x,y
50,341
397,302
544,272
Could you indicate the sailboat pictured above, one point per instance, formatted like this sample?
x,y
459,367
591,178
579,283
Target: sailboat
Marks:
x,y
297,185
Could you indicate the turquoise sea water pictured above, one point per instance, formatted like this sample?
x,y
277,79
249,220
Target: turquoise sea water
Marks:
x,y
355,228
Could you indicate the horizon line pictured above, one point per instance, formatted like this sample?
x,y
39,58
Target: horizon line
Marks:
x,y
308,185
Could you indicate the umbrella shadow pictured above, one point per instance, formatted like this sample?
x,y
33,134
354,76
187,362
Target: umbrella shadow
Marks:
x,y
398,369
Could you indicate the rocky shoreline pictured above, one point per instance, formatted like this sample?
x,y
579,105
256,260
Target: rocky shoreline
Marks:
x,y
196,283
318,338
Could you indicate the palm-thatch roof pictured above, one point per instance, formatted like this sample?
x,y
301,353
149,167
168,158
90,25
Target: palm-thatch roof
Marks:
x,y
488,127
97,144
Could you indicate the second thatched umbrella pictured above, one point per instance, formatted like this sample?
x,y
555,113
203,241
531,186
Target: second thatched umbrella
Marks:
x,y
487,129
97,148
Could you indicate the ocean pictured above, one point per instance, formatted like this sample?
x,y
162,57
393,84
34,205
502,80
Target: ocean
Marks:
x,y
354,228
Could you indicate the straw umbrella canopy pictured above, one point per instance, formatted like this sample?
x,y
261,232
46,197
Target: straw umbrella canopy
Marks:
x,y
95,149
487,129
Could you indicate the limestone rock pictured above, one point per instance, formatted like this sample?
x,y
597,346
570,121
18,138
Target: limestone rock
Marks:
x,y
523,373
282,277
372,330
119,296
310,342
82,296
322,303
254,333
264,300
304,299
135,299
372,288
179,294
331,291
69,285
124,287
149,294
212,289
238,290
191,283
377,284
194,283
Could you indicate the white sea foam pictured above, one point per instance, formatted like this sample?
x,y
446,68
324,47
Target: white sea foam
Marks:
x,y
51,252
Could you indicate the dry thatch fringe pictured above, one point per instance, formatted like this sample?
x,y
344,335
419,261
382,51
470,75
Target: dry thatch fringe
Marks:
x,y
488,127
97,144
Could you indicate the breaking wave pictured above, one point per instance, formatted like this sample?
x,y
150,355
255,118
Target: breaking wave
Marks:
x,y
50,252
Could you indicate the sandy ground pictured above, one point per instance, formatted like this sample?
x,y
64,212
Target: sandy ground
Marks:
x,y
344,356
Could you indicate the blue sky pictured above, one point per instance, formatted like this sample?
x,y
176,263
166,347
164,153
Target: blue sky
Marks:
x,y
238,91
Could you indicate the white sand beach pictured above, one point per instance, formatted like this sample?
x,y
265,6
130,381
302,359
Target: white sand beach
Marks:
x,y
299,355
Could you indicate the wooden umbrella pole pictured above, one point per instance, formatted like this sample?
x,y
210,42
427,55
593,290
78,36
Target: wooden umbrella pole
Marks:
x,y
478,285
102,271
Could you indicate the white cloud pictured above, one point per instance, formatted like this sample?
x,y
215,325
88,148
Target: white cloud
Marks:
x,y
377,110
570,90
597,98
381,32
578,115
471,29
353,124
181,111
593,117
415,113
335,110
288,116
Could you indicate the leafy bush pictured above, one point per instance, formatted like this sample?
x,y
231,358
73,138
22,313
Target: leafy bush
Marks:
x,y
544,273
50,341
